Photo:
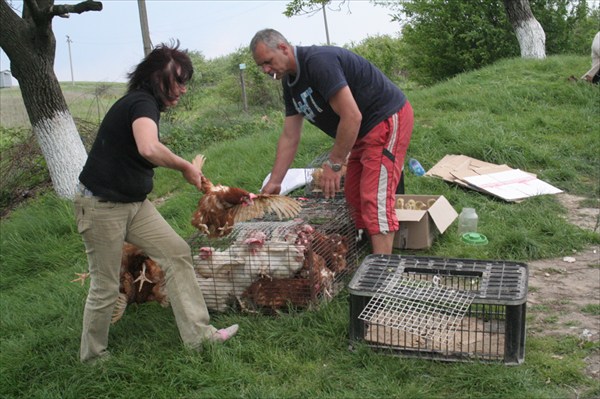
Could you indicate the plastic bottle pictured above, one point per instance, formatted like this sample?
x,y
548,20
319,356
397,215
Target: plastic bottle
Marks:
x,y
467,221
415,167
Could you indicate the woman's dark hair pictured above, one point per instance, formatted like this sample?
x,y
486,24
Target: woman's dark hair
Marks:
x,y
164,67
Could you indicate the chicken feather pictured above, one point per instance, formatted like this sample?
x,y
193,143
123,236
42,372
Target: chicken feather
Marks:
x,y
133,289
220,207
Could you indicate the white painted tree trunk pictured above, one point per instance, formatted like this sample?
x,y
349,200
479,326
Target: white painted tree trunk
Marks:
x,y
532,39
30,45
63,150
529,32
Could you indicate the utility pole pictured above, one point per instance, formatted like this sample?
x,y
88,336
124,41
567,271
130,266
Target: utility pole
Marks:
x,y
326,28
69,41
245,101
144,25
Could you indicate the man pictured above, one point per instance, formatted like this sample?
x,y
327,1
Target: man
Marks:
x,y
352,101
112,207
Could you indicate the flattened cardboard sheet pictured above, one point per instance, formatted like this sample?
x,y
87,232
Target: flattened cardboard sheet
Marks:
x,y
501,181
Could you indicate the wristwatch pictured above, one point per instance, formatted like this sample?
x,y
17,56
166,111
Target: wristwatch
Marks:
x,y
336,167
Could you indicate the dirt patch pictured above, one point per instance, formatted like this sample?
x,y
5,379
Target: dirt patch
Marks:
x,y
564,293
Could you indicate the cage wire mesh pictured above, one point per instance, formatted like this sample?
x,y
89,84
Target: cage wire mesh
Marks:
x,y
491,329
314,171
420,307
270,264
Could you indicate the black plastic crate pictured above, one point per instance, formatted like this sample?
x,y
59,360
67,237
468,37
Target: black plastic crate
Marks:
x,y
492,329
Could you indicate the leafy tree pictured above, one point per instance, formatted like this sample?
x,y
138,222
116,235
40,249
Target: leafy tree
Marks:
x,y
29,43
570,25
385,52
444,38
530,34
302,7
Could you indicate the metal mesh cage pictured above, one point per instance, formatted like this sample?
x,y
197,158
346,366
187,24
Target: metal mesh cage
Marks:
x,y
270,264
420,307
490,328
314,170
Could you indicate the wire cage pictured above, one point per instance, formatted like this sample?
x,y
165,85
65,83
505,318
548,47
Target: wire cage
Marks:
x,y
267,265
314,171
442,309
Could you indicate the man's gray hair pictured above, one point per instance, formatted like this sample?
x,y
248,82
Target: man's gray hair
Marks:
x,y
270,37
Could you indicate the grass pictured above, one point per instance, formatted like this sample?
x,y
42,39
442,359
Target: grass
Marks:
x,y
523,113
593,309
86,100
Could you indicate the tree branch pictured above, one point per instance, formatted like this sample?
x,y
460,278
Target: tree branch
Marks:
x,y
31,7
63,10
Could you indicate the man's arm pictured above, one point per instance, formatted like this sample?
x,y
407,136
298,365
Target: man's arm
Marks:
x,y
345,106
286,151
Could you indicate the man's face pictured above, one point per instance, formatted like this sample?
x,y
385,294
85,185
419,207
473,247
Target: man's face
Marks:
x,y
273,62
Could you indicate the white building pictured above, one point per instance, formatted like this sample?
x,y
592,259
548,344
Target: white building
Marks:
x,y
5,79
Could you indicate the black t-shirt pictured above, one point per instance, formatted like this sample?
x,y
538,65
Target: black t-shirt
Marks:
x,y
114,169
322,71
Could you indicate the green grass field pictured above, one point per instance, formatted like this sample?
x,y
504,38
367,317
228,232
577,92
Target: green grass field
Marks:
x,y
86,100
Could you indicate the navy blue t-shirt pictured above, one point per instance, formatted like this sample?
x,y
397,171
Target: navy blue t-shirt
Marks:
x,y
322,71
114,169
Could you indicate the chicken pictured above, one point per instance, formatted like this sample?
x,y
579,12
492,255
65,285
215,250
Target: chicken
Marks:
x,y
312,280
296,232
216,263
220,274
141,280
221,206
273,260
314,269
278,293
333,248
218,293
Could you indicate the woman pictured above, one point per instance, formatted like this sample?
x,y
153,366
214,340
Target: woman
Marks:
x,y
112,207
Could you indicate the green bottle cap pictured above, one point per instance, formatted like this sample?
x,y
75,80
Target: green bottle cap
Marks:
x,y
475,238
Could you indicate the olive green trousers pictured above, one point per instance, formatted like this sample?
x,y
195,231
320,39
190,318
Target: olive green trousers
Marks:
x,y
104,227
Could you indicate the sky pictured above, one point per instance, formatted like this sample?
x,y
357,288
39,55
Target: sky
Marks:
x,y
104,46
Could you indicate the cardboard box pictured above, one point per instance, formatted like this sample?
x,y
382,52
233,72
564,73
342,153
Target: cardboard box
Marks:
x,y
418,227
502,181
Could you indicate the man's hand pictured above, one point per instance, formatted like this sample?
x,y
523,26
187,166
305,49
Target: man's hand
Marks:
x,y
271,188
330,181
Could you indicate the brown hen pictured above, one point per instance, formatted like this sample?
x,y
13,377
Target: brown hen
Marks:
x,y
141,280
221,207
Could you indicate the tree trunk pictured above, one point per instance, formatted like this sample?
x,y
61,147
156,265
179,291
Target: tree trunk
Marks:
x,y
530,33
30,45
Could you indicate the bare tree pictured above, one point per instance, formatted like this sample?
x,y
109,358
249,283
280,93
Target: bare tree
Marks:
x,y
30,45
530,33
